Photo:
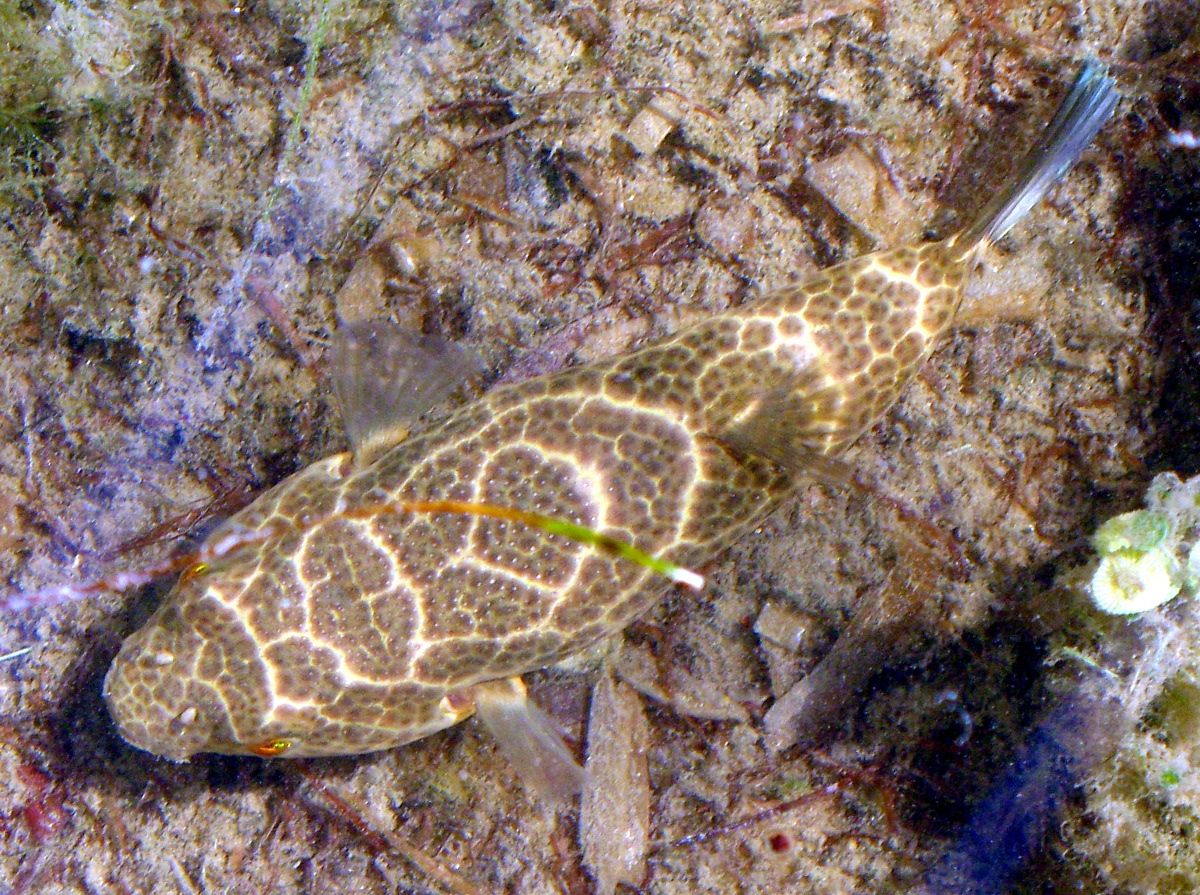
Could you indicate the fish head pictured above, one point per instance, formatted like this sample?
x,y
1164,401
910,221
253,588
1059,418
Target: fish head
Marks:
x,y
218,669
156,691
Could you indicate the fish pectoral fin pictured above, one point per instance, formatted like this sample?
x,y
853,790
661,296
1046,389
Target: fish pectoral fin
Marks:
x,y
386,377
529,739
788,427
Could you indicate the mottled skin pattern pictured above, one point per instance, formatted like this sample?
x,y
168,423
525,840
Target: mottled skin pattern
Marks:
x,y
346,633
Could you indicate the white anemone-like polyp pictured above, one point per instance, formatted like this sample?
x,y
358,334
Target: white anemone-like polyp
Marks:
x,y
1127,582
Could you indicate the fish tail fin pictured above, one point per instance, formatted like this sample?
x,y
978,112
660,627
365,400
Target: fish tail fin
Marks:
x,y
1083,112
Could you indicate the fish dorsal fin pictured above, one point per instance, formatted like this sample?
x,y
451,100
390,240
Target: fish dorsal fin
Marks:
x,y
386,377
529,739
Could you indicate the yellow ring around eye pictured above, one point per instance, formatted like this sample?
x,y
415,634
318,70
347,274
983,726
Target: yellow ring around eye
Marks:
x,y
457,705
198,569
271,748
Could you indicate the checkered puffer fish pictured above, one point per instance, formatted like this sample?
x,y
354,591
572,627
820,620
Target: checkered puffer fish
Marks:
x,y
330,628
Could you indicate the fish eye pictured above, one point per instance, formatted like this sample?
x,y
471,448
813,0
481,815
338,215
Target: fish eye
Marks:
x,y
271,748
457,705
195,571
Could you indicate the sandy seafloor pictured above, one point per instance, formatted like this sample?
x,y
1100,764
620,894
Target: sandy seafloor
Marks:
x,y
171,253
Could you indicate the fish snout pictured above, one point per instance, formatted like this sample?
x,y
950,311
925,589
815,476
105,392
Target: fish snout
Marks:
x,y
154,706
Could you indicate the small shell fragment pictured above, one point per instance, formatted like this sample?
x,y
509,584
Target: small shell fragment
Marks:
x,y
783,626
858,185
650,127
614,827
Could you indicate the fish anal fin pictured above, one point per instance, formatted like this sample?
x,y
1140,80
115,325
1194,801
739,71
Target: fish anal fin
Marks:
x,y
529,739
386,377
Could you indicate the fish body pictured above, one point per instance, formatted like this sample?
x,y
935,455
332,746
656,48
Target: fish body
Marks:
x,y
332,629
